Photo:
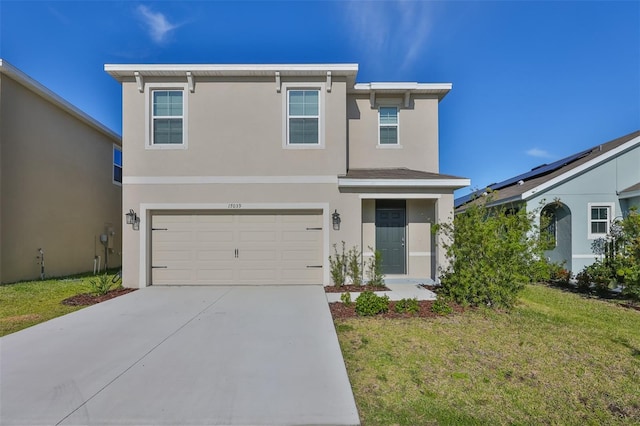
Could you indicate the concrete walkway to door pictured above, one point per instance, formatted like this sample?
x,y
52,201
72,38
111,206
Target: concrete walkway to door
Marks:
x,y
181,356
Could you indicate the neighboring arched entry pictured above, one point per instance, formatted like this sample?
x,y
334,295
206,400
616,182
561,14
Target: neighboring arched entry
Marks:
x,y
559,231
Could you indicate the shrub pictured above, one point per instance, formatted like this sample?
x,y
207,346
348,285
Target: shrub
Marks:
x,y
584,281
338,265
368,304
354,265
441,307
409,306
492,253
346,298
374,269
101,285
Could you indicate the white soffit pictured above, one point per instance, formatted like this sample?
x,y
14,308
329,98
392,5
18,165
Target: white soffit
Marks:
x,y
120,71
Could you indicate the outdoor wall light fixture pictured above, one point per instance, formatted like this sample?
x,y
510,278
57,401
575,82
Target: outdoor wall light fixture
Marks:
x,y
335,216
133,219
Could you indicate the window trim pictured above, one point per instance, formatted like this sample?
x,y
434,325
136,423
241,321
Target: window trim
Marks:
x,y
590,206
286,87
114,165
397,125
149,89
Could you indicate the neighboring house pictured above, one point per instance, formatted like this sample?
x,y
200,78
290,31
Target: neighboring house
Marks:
x,y
60,189
583,195
250,174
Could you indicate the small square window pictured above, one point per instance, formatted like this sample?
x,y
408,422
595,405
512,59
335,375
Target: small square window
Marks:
x,y
599,220
388,125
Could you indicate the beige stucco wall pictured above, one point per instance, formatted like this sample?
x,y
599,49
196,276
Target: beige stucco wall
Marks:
x,y
418,134
196,197
56,188
235,128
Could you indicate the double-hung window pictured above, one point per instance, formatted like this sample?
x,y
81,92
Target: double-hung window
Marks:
x,y
117,165
600,216
167,117
303,117
388,124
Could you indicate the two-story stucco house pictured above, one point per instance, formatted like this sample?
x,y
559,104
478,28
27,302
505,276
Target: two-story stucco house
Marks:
x,y
582,194
249,174
60,184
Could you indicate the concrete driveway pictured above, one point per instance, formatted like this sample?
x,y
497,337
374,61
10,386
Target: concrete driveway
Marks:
x,y
181,356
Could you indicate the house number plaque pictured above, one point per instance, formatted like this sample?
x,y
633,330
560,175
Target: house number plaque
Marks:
x,y
234,206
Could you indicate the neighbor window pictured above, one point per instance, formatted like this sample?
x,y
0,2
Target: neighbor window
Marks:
x,y
167,117
600,216
388,121
117,165
303,117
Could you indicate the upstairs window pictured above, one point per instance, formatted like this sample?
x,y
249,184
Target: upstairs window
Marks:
x,y
167,119
303,117
117,165
388,123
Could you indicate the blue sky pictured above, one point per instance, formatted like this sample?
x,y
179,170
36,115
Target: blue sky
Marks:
x,y
533,81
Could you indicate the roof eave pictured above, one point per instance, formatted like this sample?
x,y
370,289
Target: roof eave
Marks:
x,y
569,174
403,183
42,91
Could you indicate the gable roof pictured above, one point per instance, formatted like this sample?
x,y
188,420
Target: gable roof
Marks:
x,y
29,83
541,178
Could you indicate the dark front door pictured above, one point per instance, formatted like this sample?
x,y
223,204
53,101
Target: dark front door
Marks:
x,y
390,235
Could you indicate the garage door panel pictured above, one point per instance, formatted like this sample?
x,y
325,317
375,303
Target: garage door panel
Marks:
x,y
214,236
249,249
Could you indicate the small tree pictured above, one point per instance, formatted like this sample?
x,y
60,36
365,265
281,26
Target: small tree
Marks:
x,y
338,266
374,269
492,253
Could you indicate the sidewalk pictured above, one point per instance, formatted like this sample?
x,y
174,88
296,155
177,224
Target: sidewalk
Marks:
x,y
397,291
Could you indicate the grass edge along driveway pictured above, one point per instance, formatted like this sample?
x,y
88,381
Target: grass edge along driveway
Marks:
x,y
557,358
28,303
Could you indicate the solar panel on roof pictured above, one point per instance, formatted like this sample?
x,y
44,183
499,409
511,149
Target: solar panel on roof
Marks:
x,y
533,173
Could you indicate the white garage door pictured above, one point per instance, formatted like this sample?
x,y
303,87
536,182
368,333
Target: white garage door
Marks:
x,y
249,249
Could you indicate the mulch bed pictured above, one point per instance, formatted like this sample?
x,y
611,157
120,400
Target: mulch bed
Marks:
x,y
630,306
354,288
86,299
340,311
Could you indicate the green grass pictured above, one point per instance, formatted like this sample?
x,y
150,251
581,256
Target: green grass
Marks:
x,y
557,358
28,303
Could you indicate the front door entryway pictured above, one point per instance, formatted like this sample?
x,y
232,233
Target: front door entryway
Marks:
x,y
391,234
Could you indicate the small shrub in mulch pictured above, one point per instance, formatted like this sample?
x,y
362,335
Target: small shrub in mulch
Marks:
x,y
86,299
340,311
354,288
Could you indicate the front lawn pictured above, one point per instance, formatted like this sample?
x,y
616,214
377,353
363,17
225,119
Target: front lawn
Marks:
x,y
557,358
31,302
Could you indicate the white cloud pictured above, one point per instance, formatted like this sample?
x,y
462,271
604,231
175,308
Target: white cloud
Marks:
x,y
539,153
156,23
390,31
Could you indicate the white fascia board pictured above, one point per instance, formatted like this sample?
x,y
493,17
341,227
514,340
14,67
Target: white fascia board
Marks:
x,y
390,183
580,169
122,70
40,90
401,86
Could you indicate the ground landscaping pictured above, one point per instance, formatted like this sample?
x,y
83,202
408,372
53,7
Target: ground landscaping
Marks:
x,y
556,358
31,302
